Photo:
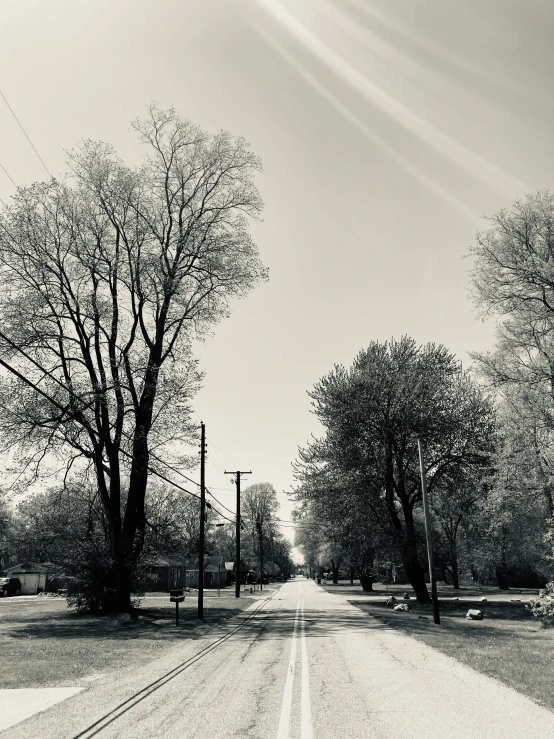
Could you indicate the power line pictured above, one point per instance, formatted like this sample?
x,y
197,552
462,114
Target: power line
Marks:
x,y
7,175
219,502
224,453
162,461
84,423
71,392
26,136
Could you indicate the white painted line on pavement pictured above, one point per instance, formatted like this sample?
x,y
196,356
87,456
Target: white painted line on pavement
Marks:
x,y
284,720
305,704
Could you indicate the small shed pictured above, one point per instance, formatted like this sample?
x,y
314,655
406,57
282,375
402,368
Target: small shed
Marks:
x,y
32,576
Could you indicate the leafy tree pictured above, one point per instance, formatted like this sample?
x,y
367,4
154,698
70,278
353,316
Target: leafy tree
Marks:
x,y
343,519
515,515
259,507
373,414
308,538
221,540
172,523
513,282
456,501
105,280
6,530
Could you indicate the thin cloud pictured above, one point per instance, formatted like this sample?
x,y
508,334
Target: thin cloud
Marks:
x,y
369,133
427,132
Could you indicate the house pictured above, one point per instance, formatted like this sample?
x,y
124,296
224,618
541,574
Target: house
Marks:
x,y
166,574
229,573
214,572
33,577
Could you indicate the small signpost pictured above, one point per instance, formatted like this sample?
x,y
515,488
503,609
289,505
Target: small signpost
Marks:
x,y
176,596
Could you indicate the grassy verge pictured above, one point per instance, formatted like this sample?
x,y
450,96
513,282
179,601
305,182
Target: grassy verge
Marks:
x,y
509,644
44,644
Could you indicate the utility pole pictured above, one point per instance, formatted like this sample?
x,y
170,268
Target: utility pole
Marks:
x,y
237,474
434,596
260,544
202,520
272,559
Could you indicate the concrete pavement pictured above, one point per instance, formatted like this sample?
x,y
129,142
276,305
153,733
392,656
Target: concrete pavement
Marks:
x,y
302,664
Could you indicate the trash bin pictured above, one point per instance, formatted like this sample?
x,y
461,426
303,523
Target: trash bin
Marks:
x,y
319,581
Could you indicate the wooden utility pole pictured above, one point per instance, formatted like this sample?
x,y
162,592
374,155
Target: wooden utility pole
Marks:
x,y
260,544
237,474
434,596
202,520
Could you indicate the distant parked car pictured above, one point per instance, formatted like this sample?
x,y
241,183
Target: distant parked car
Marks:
x,y
10,586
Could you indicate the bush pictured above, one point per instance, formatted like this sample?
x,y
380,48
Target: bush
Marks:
x,y
91,589
88,590
543,606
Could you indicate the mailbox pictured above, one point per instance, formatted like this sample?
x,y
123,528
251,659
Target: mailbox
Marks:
x,y
176,596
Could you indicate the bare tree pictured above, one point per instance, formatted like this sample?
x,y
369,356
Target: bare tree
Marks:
x,y
106,279
513,281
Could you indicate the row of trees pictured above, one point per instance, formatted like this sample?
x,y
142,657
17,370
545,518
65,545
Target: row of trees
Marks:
x,y
67,527
488,435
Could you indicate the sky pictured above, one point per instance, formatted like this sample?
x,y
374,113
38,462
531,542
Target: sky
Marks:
x,y
388,131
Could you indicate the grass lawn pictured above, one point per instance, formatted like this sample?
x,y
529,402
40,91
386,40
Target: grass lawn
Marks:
x,y
45,644
509,644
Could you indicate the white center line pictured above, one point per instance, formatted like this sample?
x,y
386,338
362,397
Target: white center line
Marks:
x,y
284,721
305,704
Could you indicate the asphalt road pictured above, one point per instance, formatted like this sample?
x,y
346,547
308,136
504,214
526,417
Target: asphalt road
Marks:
x,y
301,664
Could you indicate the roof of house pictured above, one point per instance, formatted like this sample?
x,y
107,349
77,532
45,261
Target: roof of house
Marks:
x,y
166,562
31,567
211,561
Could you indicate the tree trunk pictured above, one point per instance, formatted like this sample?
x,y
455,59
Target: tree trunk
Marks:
x,y
351,576
501,579
414,571
455,574
416,578
335,568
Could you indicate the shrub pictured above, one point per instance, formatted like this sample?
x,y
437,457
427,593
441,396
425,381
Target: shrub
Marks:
x,y
91,588
543,606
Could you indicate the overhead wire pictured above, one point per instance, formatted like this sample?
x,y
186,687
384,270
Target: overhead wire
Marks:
x,y
7,175
49,374
234,461
26,136
84,423
219,502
